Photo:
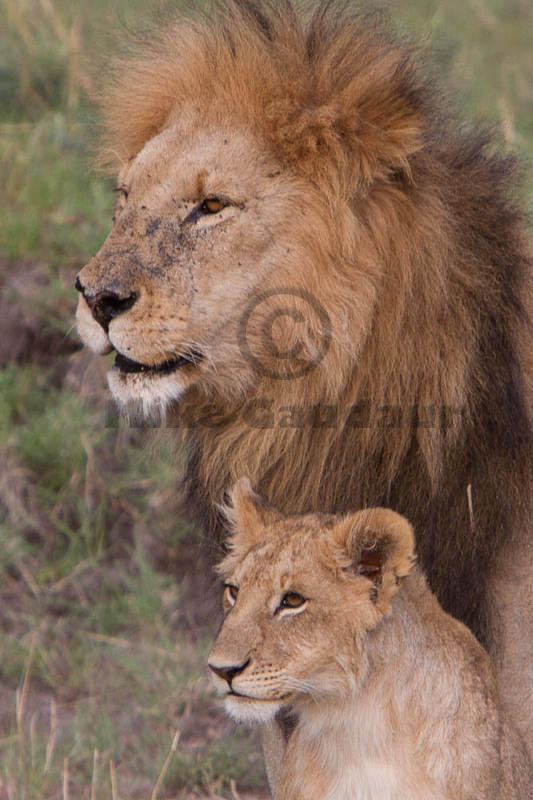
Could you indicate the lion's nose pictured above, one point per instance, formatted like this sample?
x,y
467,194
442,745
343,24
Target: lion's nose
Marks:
x,y
228,673
106,305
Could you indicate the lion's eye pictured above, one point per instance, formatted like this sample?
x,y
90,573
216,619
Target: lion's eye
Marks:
x,y
120,201
231,591
122,192
292,600
212,205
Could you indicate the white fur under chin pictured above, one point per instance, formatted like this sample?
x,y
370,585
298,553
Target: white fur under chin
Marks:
x,y
251,711
144,396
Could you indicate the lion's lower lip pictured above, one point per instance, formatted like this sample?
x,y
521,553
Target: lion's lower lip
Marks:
x,y
242,696
232,693
127,365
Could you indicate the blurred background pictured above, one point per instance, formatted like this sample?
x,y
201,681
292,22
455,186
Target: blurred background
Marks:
x,y
106,605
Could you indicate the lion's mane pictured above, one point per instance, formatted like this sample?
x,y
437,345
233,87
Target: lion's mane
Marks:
x,y
346,107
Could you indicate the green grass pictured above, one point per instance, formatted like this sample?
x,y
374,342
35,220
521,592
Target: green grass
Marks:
x,y
54,208
105,614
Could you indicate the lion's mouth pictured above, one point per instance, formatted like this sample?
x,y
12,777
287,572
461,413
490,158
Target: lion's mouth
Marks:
x,y
237,695
128,365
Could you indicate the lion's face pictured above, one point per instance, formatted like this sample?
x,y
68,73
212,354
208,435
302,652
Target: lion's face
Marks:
x,y
285,625
300,595
204,221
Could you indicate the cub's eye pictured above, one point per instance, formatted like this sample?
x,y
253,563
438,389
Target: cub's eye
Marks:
x,y
292,600
230,593
212,205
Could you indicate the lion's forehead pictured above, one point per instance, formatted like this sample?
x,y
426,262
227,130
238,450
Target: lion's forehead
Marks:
x,y
294,561
199,160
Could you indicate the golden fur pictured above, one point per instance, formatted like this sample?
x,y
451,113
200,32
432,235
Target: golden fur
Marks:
x,y
395,699
340,176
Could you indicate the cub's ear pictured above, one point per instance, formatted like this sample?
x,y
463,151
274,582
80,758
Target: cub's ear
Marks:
x,y
248,515
379,544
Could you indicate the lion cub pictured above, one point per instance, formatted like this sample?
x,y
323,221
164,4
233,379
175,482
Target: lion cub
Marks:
x,y
394,699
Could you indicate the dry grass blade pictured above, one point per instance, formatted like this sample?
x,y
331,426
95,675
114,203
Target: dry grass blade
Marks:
x,y
33,725
234,793
114,793
6,787
17,491
58,25
52,735
28,579
65,779
16,16
94,778
22,692
168,759
507,122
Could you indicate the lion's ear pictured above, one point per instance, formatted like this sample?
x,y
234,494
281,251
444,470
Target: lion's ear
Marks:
x,y
379,545
249,515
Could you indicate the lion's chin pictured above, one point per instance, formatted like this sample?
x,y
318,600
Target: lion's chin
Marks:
x,y
250,710
145,395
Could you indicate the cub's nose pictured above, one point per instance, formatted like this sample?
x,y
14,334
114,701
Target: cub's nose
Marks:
x,y
106,305
228,673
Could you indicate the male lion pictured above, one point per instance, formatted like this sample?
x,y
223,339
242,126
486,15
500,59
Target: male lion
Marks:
x,y
395,699
310,255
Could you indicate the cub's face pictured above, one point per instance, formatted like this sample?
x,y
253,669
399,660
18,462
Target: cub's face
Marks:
x,y
301,593
205,220
291,626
